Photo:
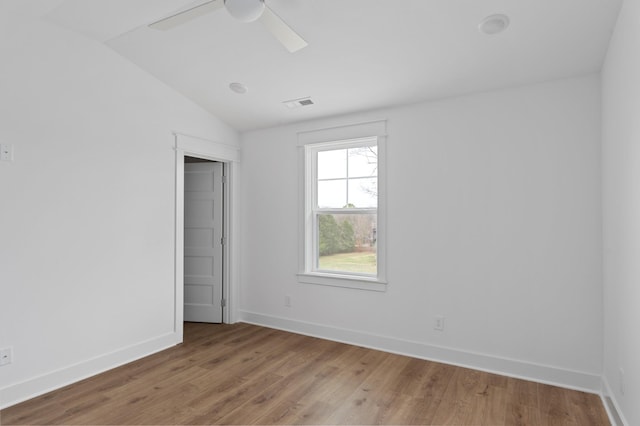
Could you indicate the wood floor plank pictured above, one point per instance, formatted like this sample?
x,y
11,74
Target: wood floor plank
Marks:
x,y
432,392
495,412
308,369
458,404
554,406
244,374
584,408
352,368
283,400
518,414
378,398
522,405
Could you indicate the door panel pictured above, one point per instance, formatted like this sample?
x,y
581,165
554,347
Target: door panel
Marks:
x,y
198,237
202,242
197,294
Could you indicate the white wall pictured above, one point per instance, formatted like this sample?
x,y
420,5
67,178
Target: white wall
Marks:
x,y
493,221
621,200
86,208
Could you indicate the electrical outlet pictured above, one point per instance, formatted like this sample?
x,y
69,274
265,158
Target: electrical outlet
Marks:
x,y
6,356
438,323
287,301
621,380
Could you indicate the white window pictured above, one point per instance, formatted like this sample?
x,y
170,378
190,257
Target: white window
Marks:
x,y
344,213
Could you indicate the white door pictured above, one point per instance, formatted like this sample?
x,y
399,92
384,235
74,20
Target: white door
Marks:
x,y
203,242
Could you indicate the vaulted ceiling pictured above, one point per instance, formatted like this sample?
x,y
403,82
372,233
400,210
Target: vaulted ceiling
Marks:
x,y
362,54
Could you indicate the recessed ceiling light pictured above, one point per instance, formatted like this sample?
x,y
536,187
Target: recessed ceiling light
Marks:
x,y
493,24
239,88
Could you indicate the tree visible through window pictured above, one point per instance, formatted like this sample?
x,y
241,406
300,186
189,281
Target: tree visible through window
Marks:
x,y
344,207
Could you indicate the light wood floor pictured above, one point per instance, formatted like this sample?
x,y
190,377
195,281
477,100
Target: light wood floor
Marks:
x,y
243,374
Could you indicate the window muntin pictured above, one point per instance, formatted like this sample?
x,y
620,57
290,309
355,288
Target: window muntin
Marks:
x,y
347,177
342,208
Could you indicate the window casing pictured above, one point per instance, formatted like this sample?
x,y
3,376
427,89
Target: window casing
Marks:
x,y
344,213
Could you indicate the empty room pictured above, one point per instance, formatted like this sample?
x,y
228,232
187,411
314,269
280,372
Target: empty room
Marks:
x,y
320,212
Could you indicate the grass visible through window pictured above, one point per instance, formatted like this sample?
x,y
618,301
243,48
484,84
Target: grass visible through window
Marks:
x,y
363,262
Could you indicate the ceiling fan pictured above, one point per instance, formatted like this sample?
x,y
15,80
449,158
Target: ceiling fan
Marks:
x,y
244,11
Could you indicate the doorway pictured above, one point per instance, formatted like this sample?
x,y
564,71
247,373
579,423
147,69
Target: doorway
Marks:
x,y
203,240
229,156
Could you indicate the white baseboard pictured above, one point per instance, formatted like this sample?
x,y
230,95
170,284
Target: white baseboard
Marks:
x,y
576,380
611,405
19,392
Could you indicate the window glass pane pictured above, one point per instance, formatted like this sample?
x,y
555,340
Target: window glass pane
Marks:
x,y
332,164
332,194
363,193
363,161
347,243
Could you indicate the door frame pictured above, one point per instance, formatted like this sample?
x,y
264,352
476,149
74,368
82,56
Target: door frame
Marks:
x,y
229,155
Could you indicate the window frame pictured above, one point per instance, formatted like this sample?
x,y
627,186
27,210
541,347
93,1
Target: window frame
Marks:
x,y
309,272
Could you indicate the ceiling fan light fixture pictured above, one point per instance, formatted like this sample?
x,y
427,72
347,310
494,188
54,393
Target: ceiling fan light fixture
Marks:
x,y
245,10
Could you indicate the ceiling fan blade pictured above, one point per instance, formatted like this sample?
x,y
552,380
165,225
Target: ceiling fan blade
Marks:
x,y
186,15
283,32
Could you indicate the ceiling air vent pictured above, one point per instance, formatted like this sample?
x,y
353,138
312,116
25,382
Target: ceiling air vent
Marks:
x,y
297,103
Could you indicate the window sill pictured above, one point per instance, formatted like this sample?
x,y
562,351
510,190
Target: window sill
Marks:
x,y
345,281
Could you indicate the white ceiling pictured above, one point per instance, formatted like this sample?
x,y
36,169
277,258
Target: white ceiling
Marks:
x,y
362,54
